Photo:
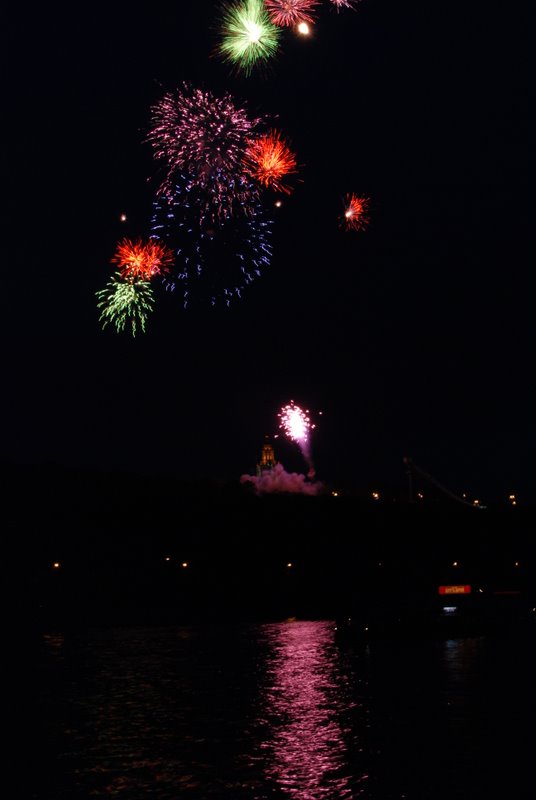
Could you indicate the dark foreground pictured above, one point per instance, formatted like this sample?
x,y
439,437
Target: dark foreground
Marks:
x,y
268,559
228,646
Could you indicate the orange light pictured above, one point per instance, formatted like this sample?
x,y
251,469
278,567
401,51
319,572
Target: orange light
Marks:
x,y
454,590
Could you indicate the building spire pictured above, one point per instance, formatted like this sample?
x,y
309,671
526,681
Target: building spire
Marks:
x,y
267,462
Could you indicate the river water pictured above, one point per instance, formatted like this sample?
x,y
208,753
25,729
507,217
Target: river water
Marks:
x,y
278,710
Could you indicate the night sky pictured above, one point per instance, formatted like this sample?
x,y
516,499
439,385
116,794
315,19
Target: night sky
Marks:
x,y
414,337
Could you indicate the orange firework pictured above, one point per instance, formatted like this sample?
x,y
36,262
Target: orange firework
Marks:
x,y
355,212
268,159
142,260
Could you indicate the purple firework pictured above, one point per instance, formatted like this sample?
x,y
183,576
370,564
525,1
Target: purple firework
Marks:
x,y
196,134
344,3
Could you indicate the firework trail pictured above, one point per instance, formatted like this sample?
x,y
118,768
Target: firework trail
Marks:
x,y
142,260
268,159
125,304
204,138
248,35
355,212
297,426
287,13
213,265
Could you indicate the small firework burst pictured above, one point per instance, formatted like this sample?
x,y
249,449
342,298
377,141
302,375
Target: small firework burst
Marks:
x,y
142,260
248,35
295,422
355,212
287,13
198,134
268,159
344,3
297,426
125,304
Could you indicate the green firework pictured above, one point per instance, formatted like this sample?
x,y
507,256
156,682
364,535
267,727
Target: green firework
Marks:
x,y
248,34
125,303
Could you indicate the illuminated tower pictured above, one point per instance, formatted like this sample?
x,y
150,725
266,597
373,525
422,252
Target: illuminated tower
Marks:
x,y
267,462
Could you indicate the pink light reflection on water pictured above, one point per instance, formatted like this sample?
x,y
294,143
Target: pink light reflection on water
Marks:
x,y
306,753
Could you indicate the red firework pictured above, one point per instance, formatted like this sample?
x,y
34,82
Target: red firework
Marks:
x,y
268,159
142,260
286,13
355,212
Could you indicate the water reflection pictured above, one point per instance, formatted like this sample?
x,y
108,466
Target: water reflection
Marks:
x,y
305,753
460,659
268,712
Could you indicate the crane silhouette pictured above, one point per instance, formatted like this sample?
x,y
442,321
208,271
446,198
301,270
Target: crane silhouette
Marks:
x,y
412,467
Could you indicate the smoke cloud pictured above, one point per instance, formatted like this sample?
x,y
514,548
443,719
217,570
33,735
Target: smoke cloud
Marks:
x,y
278,480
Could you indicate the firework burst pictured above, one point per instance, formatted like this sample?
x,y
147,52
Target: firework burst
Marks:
x,y
248,35
204,137
287,13
296,424
125,304
355,212
344,3
142,260
268,159
213,265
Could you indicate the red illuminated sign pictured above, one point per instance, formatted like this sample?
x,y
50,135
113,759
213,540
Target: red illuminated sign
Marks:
x,y
454,590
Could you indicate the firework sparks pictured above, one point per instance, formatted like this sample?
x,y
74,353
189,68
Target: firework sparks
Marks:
x,y
213,264
296,424
248,35
268,159
141,259
205,137
344,3
287,13
125,304
355,212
